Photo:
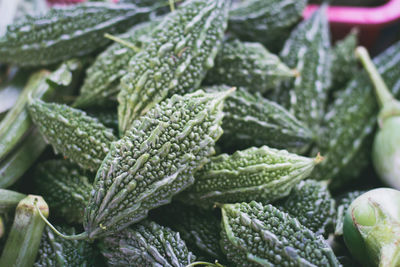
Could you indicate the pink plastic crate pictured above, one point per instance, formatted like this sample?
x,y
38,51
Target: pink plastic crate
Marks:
x,y
369,20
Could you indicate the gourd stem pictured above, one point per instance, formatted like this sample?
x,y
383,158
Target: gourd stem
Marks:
x,y
122,42
381,90
80,236
172,5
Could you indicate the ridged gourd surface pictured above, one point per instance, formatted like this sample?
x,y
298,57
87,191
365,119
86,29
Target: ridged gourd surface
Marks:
x,y
146,244
154,161
183,48
257,235
80,138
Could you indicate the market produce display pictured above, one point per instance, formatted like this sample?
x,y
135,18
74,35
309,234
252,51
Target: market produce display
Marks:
x,y
188,133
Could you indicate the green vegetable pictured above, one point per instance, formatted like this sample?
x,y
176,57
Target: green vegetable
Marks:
x,y
311,203
9,200
249,65
66,188
371,228
343,204
56,251
103,76
251,120
257,235
198,228
146,244
262,174
154,161
386,147
11,88
183,48
23,241
67,32
80,138
350,122
307,50
265,21
344,62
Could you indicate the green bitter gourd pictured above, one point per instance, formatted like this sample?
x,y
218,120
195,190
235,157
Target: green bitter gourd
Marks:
x,y
263,174
265,21
251,120
154,161
63,33
80,138
311,203
66,188
308,50
54,251
183,48
257,235
146,244
103,76
248,65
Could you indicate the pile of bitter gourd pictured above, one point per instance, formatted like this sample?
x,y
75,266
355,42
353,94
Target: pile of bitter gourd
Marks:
x,y
201,132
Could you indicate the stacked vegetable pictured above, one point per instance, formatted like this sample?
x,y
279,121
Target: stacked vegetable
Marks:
x,y
202,132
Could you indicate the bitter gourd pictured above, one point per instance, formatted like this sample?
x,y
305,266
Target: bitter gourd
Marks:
x,y
54,251
154,161
351,120
263,174
308,50
63,33
251,120
183,48
311,203
66,188
146,244
265,21
80,138
248,65
199,228
344,62
343,203
257,235
103,76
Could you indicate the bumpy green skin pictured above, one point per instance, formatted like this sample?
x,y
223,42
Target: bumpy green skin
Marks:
x,y
263,174
308,50
199,228
257,235
65,187
265,21
311,203
343,204
249,65
55,251
80,138
154,161
344,62
146,244
103,76
67,32
356,108
183,48
251,120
